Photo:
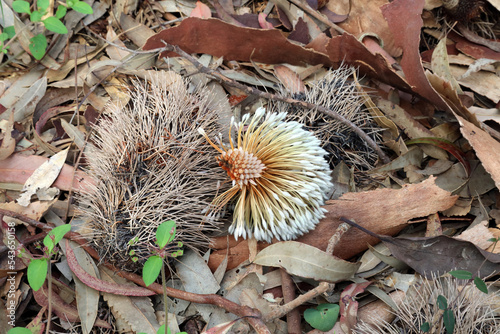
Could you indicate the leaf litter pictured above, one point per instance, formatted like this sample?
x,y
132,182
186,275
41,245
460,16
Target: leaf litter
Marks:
x,y
427,76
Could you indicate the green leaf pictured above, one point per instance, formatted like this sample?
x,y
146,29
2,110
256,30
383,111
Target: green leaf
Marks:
x,y
442,302
490,239
61,11
425,327
82,7
38,46
19,330
461,274
53,24
3,37
165,233
37,272
55,235
151,269
43,5
323,317
449,321
36,16
161,330
11,31
21,6
480,285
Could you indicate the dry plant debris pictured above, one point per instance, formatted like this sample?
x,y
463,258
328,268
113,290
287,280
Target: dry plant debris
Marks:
x,y
365,77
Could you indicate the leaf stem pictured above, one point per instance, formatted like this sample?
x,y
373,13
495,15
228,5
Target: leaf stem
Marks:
x,y
165,297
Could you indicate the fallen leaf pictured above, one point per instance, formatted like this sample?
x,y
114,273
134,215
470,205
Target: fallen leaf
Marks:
x,y
18,168
43,177
137,312
306,261
268,46
439,255
201,11
487,149
349,305
101,285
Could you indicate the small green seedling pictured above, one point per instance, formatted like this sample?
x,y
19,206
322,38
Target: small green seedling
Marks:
x,y
38,43
323,317
161,330
37,268
165,235
448,315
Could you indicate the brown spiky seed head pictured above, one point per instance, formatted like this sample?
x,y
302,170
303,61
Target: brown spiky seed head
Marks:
x,y
280,177
151,165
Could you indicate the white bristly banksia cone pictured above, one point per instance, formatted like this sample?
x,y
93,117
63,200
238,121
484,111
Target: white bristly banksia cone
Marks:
x,y
279,174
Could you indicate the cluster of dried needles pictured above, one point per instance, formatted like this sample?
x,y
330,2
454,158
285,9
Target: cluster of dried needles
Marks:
x,y
279,174
151,165
338,92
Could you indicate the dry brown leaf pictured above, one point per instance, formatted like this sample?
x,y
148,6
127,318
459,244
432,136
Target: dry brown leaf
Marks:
x,y
478,235
487,149
18,168
215,37
404,18
365,17
8,143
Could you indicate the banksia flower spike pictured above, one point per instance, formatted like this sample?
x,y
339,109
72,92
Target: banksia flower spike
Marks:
x,y
280,177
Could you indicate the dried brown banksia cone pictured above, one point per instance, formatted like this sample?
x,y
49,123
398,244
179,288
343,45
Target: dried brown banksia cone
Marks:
x,y
337,91
279,174
151,165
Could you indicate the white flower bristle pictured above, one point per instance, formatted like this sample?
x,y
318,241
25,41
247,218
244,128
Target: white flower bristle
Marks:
x,y
280,178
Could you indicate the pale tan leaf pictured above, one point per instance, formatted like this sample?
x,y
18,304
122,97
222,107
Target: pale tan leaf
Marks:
x,y
482,82
487,149
8,143
479,235
317,265
43,177
441,66
138,312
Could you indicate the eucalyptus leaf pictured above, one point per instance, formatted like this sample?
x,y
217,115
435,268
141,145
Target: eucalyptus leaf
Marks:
x,y
306,261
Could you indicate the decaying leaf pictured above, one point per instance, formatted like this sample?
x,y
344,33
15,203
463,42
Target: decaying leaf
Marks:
x,y
137,312
439,255
487,149
349,305
102,285
306,261
43,177
8,143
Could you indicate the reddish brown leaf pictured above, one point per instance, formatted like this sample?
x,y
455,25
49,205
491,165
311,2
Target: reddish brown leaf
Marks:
x,y
215,37
101,285
18,168
62,309
349,305
405,21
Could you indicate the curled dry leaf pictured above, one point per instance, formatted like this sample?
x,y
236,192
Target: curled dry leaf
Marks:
x,y
349,305
8,143
62,309
99,284
43,177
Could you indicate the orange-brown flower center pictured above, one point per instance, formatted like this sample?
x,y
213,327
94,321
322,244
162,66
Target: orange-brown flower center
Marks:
x,y
242,167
